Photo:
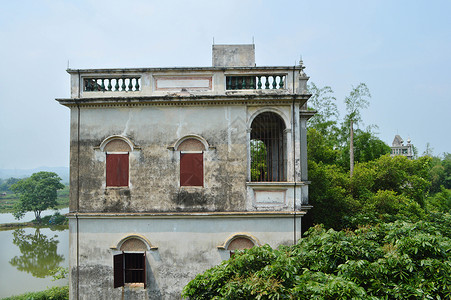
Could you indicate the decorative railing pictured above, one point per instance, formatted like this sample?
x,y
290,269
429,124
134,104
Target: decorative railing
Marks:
x,y
255,82
112,84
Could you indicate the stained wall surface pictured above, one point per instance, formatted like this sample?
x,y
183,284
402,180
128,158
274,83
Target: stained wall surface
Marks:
x,y
154,169
185,248
187,227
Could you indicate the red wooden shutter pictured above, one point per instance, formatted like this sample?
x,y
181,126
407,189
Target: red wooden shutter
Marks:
x,y
118,267
117,169
191,169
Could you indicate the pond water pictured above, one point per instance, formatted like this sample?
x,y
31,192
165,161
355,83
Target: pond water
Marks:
x,y
29,216
27,256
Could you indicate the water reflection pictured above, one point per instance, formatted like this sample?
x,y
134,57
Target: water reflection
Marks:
x,y
38,253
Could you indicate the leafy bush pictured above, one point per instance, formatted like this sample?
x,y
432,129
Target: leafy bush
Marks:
x,y
55,219
398,260
53,293
440,202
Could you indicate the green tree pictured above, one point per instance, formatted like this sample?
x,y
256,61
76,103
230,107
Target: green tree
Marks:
x,y
355,102
440,173
429,150
440,202
320,148
5,185
437,177
398,174
326,118
329,195
367,147
258,160
37,193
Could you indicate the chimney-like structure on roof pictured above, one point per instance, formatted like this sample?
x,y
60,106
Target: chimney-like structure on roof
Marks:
x,y
234,55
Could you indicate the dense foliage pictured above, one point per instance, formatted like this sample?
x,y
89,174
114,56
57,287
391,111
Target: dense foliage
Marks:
x,y
5,184
385,231
37,193
399,260
53,293
382,188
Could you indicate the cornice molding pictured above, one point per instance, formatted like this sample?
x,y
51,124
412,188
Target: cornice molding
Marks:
x,y
184,100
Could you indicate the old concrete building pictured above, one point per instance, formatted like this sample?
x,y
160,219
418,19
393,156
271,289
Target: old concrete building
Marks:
x,y
398,147
174,168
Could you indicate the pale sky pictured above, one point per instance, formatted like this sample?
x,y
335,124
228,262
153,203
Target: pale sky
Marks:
x,y
400,49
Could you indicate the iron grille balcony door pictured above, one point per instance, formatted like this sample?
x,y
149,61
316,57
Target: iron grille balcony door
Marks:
x,y
268,148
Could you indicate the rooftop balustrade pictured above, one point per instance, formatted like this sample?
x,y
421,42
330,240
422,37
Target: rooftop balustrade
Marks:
x,y
107,83
111,84
252,82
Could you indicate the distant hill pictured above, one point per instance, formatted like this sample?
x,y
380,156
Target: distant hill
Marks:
x,y
63,172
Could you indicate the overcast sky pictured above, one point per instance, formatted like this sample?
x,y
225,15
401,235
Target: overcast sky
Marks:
x,y
400,49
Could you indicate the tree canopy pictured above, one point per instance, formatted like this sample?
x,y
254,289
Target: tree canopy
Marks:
x,y
5,184
37,193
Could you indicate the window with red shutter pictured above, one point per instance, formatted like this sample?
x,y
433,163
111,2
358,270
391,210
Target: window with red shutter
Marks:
x,y
191,169
117,169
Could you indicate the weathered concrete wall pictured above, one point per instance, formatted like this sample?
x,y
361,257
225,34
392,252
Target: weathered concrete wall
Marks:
x,y
234,55
187,224
186,247
154,169
154,165
187,244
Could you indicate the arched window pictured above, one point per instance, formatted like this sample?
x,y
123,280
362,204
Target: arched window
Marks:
x,y
117,162
130,266
268,148
239,243
191,162
133,244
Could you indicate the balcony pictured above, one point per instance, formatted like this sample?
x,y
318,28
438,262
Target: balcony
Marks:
x,y
204,81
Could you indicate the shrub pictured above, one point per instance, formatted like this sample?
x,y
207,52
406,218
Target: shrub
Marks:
x,y
398,260
53,293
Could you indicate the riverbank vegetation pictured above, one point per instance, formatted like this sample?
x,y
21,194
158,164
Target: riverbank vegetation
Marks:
x,y
380,227
53,293
56,221
36,194
9,199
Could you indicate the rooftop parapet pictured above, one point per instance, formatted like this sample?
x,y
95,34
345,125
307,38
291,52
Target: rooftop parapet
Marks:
x,y
101,83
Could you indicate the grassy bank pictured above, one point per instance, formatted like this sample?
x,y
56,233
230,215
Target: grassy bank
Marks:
x,y
8,201
53,293
56,221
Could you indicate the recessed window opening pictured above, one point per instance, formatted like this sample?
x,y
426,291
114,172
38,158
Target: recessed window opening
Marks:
x,y
191,162
134,267
117,163
268,148
239,243
129,268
